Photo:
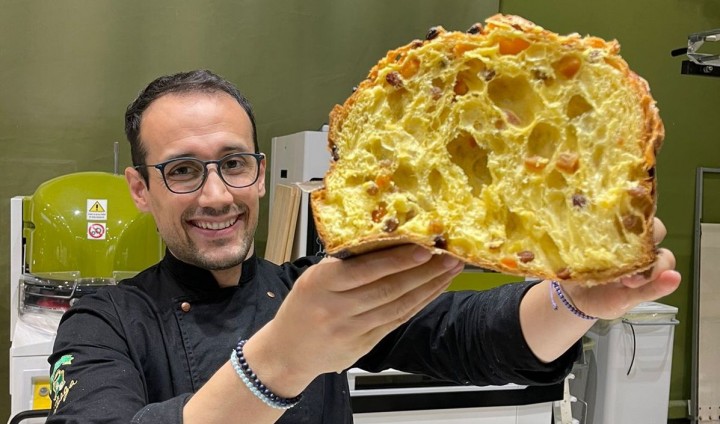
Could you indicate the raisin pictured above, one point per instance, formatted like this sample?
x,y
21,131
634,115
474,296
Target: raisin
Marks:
x,y
526,256
436,93
488,74
632,223
432,33
460,88
342,254
373,189
335,154
416,43
579,201
440,242
379,212
391,224
539,74
563,274
475,29
393,78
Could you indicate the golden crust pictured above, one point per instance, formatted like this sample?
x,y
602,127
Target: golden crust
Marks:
x,y
503,93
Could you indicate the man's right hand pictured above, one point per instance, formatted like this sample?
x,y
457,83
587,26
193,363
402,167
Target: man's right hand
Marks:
x,y
338,310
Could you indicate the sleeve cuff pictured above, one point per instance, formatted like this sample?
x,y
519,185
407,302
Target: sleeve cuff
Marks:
x,y
168,412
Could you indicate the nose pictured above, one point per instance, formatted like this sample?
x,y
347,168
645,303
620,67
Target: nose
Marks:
x,y
214,193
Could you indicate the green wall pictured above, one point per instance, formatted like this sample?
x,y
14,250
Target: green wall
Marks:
x,y
648,30
70,67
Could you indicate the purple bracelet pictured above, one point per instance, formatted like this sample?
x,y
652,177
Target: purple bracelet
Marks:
x,y
554,285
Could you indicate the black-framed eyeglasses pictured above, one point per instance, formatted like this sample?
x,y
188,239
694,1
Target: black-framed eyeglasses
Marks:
x,y
187,174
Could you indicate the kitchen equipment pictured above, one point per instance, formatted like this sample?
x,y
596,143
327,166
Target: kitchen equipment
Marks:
x,y
628,375
75,234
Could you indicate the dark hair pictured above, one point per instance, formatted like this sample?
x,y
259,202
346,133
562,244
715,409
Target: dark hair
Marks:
x,y
198,81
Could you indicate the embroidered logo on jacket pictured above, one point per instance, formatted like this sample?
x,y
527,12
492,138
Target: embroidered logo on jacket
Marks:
x,y
59,387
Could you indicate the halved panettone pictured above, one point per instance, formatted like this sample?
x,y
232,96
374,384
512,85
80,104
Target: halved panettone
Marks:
x,y
509,146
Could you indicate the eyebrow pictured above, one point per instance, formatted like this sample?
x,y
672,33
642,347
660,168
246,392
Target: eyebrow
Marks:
x,y
226,150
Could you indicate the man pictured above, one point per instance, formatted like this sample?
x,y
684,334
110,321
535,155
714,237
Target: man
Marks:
x,y
214,334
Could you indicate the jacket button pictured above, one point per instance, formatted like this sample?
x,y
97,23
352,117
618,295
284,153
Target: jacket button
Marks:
x,y
271,295
185,306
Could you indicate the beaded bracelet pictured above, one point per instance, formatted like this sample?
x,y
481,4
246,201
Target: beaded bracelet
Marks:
x,y
554,285
257,388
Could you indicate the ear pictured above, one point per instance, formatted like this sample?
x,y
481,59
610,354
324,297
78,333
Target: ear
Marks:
x,y
138,188
261,177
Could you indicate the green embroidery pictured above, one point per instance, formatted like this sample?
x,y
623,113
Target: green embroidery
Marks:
x,y
59,388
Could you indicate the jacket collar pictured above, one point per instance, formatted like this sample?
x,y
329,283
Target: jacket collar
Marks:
x,y
194,277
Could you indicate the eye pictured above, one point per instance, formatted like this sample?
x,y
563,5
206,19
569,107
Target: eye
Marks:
x,y
236,164
233,163
183,170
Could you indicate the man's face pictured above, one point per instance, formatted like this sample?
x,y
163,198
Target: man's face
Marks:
x,y
213,227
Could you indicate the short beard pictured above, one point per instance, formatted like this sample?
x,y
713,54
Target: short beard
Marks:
x,y
221,265
189,253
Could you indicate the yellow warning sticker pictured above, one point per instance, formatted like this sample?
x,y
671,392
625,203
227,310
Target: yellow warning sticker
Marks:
x,y
97,209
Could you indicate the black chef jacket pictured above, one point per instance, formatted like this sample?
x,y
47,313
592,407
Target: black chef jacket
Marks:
x,y
136,352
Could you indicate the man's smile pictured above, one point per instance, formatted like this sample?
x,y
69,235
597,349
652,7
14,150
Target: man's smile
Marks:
x,y
214,225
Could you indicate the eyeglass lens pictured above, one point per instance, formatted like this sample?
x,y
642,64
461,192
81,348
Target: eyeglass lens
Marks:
x,y
187,174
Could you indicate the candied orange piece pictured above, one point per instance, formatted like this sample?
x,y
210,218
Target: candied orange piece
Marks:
x,y
568,162
460,48
410,67
568,66
436,227
512,45
535,163
509,262
382,181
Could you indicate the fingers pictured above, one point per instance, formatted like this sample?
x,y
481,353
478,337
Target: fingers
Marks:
x,y
404,286
656,282
665,283
664,261
363,269
395,286
659,230
346,306
388,317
